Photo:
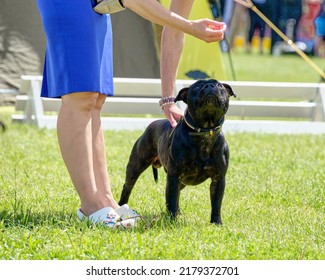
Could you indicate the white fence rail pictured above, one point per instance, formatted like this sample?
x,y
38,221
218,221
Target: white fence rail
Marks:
x,y
259,107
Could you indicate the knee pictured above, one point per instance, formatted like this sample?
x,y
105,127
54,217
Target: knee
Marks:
x,y
89,101
81,101
100,102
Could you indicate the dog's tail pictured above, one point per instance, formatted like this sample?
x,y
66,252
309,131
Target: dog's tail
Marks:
x,y
155,173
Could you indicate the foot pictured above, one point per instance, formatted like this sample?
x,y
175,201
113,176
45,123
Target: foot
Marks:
x,y
107,217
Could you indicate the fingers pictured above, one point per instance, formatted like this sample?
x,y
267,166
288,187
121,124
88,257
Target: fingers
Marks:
x,y
170,118
216,31
172,121
173,114
210,30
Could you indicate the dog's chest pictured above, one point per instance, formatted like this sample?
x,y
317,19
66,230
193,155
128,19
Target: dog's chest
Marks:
x,y
198,171
202,161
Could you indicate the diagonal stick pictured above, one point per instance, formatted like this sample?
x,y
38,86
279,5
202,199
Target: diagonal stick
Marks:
x,y
249,4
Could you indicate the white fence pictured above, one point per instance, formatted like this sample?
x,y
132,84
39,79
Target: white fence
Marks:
x,y
259,107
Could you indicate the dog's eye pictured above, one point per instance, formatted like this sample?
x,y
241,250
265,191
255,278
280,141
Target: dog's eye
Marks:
x,y
220,85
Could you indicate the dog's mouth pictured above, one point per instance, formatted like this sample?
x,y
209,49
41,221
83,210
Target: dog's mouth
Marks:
x,y
210,100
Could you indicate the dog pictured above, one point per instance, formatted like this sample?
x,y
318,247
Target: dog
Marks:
x,y
190,153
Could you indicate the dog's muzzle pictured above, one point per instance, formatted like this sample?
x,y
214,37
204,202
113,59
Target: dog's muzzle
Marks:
x,y
210,100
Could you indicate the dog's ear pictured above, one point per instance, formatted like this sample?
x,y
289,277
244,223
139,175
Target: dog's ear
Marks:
x,y
182,95
229,90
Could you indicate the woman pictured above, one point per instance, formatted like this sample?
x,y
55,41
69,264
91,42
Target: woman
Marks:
x,y
78,69
320,33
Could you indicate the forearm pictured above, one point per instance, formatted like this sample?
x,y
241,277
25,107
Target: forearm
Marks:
x,y
171,49
205,29
172,43
153,11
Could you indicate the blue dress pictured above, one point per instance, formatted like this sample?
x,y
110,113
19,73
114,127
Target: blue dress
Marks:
x,y
79,48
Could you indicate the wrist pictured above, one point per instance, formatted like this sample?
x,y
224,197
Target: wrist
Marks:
x,y
166,101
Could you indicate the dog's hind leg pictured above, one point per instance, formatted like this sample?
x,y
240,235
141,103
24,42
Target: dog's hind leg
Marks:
x,y
140,159
133,171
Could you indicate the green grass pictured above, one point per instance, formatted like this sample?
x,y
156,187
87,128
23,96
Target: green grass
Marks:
x,y
286,68
273,206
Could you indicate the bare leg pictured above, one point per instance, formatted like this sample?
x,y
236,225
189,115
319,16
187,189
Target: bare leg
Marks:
x,y
99,155
75,135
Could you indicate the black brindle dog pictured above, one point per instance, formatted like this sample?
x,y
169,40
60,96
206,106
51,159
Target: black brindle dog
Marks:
x,y
192,152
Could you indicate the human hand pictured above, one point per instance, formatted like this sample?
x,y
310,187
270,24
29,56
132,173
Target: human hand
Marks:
x,y
208,30
173,114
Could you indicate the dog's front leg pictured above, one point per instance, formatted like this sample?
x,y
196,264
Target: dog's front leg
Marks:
x,y
217,189
172,195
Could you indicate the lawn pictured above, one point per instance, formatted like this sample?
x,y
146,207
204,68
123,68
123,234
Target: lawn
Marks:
x,y
286,68
273,206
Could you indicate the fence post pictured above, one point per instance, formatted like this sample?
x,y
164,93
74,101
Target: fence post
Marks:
x,y
319,114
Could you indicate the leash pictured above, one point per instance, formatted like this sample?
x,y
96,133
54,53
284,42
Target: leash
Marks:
x,y
217,13
249,4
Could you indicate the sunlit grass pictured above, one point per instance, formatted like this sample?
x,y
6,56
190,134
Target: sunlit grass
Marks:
x,y
273,206
268,68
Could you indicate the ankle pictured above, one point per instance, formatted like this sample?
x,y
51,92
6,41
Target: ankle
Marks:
x,y
109,200
90,207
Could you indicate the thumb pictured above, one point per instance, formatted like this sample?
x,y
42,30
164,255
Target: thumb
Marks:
x,y
173,122
171,119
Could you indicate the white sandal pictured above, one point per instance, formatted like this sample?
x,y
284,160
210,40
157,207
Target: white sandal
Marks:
x,y
125,212
108,217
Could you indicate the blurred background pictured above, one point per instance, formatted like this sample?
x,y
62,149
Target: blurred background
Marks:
x,y
251,50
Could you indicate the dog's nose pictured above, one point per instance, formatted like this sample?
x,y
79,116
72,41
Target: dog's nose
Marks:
x,y
209,85
209,88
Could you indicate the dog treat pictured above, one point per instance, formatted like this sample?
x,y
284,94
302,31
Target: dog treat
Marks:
x,y
213,27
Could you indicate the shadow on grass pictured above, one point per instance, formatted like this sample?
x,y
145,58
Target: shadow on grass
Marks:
x,y
30,220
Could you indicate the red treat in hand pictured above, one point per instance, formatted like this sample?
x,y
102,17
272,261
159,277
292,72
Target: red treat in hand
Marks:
x,y
214,27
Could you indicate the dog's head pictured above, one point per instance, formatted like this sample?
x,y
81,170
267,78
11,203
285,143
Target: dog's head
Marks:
x,y
207,101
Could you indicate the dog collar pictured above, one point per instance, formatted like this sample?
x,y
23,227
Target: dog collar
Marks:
x,y
199,131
